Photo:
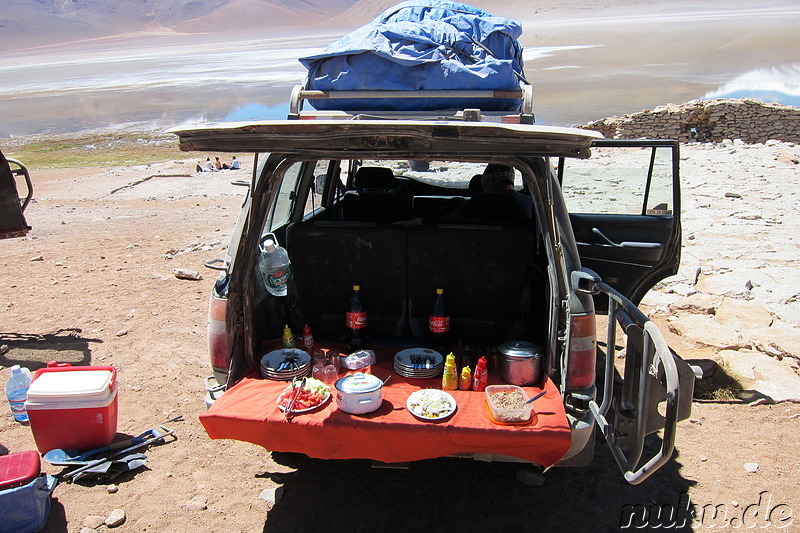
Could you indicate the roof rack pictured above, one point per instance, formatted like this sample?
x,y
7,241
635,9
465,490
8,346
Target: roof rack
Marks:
x,y
525,116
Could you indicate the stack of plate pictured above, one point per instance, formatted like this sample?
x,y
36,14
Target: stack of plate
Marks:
x,y
285,364
418,363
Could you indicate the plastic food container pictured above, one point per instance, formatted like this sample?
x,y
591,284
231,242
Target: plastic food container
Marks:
x,y
73,407
506,415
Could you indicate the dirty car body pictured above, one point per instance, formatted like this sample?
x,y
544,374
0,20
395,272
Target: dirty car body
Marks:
x,y
506,278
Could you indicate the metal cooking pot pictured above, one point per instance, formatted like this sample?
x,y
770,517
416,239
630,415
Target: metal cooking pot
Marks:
x,y
359,394
521,363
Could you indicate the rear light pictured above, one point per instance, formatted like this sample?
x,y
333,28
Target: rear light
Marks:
x,y
582,359
218,334
510,119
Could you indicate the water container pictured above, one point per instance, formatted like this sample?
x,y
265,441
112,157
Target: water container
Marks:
x,y
276,269
17,392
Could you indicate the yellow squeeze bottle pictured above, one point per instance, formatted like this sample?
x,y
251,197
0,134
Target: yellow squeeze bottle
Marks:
x,y
450,374
288,338
465,381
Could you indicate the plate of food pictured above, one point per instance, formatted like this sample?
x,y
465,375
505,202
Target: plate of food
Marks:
x,y
431,404
314,394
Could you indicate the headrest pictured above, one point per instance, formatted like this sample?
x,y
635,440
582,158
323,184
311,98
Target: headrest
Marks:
x,y
375,178
496,206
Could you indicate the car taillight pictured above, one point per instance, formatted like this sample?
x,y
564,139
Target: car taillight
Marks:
x,y
582,351
218,335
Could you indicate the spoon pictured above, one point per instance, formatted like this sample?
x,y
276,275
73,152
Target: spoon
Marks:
x,y
536,397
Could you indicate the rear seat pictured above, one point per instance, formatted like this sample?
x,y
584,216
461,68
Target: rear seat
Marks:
x,y
346,253
400,268
488,298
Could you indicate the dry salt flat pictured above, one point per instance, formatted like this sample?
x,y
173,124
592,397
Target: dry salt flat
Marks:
x,y
737,295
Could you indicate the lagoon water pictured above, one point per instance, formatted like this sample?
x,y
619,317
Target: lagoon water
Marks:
x,y
581,70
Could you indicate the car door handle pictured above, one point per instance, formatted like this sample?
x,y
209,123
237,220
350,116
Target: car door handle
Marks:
x,y
626,244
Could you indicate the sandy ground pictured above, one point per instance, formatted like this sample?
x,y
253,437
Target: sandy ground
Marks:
x,y
93,284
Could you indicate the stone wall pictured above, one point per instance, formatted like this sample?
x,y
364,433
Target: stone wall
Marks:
x,y
707,120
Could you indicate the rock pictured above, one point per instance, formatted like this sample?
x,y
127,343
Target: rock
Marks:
x,y
699,303
741,314
272,495
112,489
751,467
702,330
771,378
4,349
121,333
182,273
116,518
732,195
88,530
37,258
93,521
198,503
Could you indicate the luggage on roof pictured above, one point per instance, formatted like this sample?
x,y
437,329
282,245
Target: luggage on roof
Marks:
x,y
422,45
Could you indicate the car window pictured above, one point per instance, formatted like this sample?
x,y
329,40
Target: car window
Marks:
x,y
282,208
449,174
615,181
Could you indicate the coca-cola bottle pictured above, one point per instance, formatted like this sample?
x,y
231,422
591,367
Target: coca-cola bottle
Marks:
x,y
355,321
439,325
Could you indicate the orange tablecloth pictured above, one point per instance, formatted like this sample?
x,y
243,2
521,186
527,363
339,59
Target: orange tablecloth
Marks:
x,y
248,412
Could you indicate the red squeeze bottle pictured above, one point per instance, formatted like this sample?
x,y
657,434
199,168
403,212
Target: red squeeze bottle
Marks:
x,y
481,376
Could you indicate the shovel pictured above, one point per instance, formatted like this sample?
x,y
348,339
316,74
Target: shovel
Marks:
x,y
154,437
67,457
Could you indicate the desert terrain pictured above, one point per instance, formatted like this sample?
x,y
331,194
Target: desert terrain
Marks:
x,y
93,283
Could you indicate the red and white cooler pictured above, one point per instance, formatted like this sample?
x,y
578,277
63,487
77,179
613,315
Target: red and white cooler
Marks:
x,y
73,407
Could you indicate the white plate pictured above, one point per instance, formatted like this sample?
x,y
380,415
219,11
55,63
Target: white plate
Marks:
x,y
427,396
403,357
273,359
298,411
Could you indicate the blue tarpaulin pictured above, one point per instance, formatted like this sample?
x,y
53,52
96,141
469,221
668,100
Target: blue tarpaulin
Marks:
x,y
422,45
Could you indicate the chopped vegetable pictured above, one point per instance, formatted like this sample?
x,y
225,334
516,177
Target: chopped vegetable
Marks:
x,y
313,394
430,403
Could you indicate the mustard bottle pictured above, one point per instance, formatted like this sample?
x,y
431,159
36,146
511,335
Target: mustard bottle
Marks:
x,y
465,381
450,376
288,338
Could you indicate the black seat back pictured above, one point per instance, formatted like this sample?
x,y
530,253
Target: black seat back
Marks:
x,y
378,197
329,257
485,272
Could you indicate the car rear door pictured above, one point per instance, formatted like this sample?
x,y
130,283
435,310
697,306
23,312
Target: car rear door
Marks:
x,y
624,205
12,220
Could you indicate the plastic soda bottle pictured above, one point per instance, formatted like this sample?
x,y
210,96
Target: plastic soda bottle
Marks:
x,y
439,324
17,392
276,269
355,321
449,375
481,376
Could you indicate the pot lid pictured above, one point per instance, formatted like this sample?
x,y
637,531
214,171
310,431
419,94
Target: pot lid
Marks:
x,y
520,349
359,382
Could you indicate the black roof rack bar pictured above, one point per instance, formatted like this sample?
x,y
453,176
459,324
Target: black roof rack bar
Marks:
x,y
299,94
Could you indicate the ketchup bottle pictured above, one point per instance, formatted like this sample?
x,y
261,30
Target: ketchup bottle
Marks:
x,y
481,376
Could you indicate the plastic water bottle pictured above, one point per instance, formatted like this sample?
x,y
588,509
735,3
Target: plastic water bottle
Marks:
x,y
17,392
276,269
